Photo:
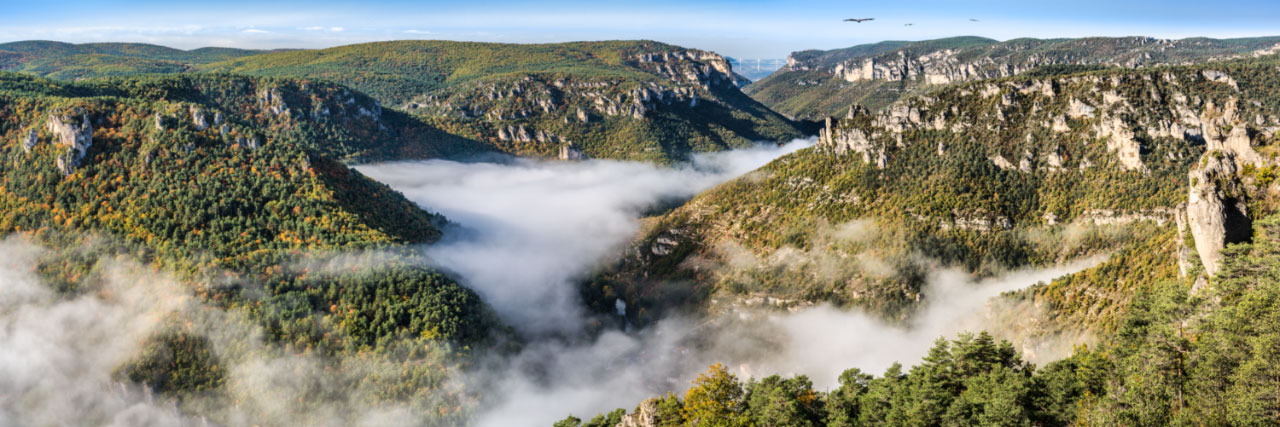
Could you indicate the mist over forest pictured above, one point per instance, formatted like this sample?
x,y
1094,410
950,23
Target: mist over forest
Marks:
x,y
942,214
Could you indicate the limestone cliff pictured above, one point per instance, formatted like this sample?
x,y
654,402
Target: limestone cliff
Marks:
x,y
74,138
1006,172
817,83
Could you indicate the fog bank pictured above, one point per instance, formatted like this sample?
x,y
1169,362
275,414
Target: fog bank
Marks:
x,y
525,229
59,354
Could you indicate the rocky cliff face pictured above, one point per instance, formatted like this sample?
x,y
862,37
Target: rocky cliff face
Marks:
x,y
1052,124
30,141
975,171
73,137
541,112
1216,212
1127,117
871,78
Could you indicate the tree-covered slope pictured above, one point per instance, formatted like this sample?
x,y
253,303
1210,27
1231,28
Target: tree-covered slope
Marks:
x,y
983,176
1181,355
213,178
818,84
617,99
75,61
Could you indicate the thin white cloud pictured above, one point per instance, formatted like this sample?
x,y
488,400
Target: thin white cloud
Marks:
x,y
256,31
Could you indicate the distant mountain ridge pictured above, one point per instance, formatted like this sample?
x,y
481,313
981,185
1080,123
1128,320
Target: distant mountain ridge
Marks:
x,y
68,61
824,83
638,100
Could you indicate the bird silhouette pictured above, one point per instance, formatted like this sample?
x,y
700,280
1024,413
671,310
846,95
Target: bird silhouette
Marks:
x,y
859,20
973,20
908,24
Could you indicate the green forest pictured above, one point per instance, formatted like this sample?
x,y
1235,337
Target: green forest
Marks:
x,y
230,172
1177,358
237,207
605,99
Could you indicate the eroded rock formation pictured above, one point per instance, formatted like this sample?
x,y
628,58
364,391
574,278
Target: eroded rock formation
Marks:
x,y
74,137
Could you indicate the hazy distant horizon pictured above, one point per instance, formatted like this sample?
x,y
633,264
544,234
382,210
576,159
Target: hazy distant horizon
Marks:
x,y
750,29
735,57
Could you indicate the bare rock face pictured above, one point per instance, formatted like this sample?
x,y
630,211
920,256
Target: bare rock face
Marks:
x,y
1001,162
197,119
30,141
1237,142
1120,140
1220,77
1215,213
645,415
1183,255
250,143
1077,109
271,101
851,140
76,138
570,152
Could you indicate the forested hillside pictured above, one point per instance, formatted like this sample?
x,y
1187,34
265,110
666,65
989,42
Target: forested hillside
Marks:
x,y
636,100
1181,355
235,186
817,84
620,99
1026,171
77,61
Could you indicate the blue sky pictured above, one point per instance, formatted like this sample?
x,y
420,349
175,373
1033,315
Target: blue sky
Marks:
x,y
746,29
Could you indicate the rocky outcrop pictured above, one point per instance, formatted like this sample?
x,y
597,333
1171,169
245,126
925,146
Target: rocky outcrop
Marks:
x,y
1183,254
991,59
1216,212
1159,216
197,118
1077,109
1120,140
569,152
851,139
690,66
74,138
645,415
250,142
1001,162
271,101
880,74
1220,77
30,141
